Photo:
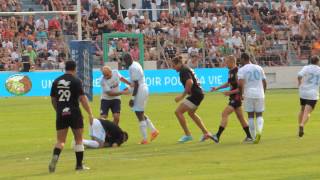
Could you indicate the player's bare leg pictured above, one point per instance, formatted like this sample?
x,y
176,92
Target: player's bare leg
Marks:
x,y
179,113
300,116
200,124
61,139
243,123
116,118
79,148
305,117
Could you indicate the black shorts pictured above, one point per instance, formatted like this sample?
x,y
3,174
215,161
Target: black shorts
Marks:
x,y
311,103
196,99
75,121
234,103
114,105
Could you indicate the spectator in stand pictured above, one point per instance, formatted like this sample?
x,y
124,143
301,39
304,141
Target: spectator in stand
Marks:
x,y
118,25
42,23
134,52
54,24
31,54
170,51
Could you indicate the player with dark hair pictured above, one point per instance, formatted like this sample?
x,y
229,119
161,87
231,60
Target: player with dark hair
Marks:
x,y
308,82
234,100
191,103
66,92
252,86
105,133
139,98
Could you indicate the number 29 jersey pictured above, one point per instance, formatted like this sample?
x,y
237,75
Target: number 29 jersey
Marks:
x,y
252,75
67,89
309,88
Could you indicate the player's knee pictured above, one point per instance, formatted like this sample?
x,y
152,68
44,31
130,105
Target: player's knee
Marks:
x,y
177,112
191,113
60,145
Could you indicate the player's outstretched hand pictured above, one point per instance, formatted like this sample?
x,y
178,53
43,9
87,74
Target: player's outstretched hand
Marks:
x,y
178,98
213,89
226,93
131,103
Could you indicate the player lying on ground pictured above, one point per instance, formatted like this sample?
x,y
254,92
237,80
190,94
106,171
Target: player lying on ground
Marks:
x,y
105,133
234,100
308,82
252,86
191,103
110,96
139,98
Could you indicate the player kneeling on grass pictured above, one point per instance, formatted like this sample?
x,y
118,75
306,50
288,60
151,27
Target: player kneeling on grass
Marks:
x,y
105,133
252,86
139,98
234,100
191,103
309,82
110,96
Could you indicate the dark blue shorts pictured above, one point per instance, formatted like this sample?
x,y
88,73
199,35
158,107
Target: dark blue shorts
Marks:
x,y
114,105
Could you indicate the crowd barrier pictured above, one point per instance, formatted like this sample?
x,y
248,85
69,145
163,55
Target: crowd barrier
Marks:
x,y
159,81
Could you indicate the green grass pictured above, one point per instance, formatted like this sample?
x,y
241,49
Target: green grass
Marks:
x,y
27,136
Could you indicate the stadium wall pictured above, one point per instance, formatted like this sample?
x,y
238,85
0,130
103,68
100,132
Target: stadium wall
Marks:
x,y
282,77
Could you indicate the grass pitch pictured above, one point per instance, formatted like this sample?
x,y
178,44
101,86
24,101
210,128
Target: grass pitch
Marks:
x,y
27,137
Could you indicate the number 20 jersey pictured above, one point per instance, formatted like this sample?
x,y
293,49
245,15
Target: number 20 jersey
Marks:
x,y
67,89
309,89
252,75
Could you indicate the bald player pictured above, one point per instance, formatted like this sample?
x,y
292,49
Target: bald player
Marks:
x,y
110,96
234,100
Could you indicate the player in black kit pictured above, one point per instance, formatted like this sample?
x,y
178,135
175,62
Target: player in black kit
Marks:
x,y
191,103
66,92
234,100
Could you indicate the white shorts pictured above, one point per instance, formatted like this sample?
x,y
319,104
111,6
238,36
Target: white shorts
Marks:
x,y
141,98
97,131
253,104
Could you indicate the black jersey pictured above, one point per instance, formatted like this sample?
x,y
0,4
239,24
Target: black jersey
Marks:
x,y
187,73
114,133
67,89
233,82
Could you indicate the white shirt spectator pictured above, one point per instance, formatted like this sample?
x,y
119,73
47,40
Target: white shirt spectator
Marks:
x,y
42,23
7,44
194,20
131,20
309,89
251,40
134,12
53,54
15,55
298,9
193,50
158,2
237,41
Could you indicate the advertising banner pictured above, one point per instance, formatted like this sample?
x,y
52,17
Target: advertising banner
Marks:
x,y
158,81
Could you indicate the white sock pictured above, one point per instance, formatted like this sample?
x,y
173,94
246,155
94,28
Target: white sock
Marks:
x,y
143,129
150,125
90,143
260,122
252,128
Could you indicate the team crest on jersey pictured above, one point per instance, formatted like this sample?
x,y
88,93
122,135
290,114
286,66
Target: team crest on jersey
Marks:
x,y
66,111
63,83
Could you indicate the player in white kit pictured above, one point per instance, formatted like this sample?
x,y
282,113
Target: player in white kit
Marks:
x,y
139,98
308,82
252,85
110,95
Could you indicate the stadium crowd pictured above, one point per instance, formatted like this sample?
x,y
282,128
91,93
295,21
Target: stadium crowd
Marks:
x,y
274,33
